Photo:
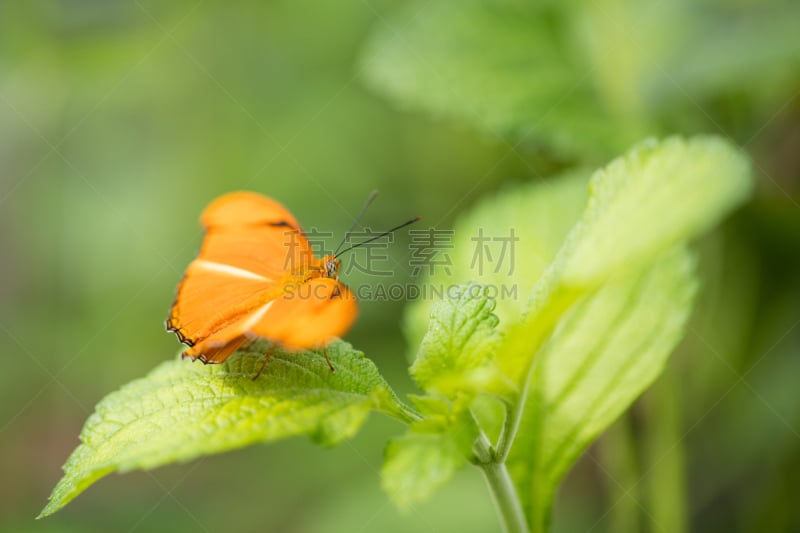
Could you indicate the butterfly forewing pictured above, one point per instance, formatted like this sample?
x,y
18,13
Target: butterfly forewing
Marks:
x,y
256,234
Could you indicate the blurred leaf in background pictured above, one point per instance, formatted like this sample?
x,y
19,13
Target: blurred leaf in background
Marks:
x,y
586,79
120,120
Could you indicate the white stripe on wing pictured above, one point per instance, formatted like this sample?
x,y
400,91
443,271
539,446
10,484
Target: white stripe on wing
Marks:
x,y
228,269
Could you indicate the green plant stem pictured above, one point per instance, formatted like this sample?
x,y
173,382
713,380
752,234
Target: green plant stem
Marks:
x,y
410,414
504,493
399,411
510,426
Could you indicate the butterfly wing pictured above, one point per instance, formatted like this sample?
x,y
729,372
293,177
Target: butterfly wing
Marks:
x,y
307,314
252,246
255,233
251,279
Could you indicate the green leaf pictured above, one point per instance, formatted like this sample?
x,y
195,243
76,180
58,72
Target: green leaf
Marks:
x,y
499,65
657,195
183,410
423,459
582,78
419,463
457,352
605,352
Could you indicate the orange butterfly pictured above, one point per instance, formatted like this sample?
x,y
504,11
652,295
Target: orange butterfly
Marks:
x,y
256,276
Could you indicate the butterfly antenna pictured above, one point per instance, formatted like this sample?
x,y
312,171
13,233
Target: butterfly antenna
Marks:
x,y
370,199
383,234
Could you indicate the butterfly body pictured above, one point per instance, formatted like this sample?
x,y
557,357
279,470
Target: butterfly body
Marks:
x,y
256,276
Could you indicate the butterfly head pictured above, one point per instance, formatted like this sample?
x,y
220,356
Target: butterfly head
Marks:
x,y
331,266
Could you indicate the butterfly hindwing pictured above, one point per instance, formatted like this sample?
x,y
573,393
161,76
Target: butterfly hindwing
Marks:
x,y
308,314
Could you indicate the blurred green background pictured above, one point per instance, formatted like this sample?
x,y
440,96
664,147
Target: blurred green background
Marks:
x,y
120,120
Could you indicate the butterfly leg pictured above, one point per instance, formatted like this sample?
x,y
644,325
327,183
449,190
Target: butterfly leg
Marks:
x,y
266,360
325,353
